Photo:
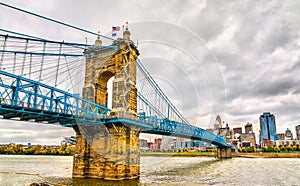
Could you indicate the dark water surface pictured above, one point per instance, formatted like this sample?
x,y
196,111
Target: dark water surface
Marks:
x,y
20,171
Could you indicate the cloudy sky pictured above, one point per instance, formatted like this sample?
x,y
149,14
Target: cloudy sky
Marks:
x,y
233,58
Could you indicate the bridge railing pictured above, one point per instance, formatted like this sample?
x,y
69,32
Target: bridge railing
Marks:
x,y
22,95
176,129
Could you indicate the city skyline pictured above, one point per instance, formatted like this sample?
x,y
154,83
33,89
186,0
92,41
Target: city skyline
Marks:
x,y
251,47
26,133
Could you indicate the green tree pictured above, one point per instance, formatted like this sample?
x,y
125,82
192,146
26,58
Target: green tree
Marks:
x,y
270,149
276,149
249,149
289,148
29,151
298,147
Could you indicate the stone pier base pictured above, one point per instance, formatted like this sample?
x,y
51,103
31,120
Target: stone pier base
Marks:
x,y
109,152
224,152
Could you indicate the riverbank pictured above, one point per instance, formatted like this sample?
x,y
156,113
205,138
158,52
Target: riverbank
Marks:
x,y
267,155
179,154
234,155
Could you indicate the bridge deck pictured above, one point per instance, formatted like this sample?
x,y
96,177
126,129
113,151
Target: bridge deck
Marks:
x,y
159,127
28,100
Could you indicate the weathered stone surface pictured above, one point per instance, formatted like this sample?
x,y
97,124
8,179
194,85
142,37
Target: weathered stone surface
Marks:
x,y
118,62
224,152
110,152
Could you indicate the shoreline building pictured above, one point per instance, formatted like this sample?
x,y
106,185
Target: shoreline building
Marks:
x,y
286,139
248,138
219,130
236,137
298,132
288,134
281,136
248,128
268,135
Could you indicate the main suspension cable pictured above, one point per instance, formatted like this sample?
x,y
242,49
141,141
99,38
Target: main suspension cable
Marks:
x,y
55,21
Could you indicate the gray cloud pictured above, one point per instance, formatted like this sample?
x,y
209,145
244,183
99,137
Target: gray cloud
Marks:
x,y
35,133
247,49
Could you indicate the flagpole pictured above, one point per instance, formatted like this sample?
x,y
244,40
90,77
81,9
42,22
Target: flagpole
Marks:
x,y
112,33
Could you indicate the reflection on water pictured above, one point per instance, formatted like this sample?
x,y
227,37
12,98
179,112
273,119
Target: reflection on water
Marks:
x,y
158,171
96,182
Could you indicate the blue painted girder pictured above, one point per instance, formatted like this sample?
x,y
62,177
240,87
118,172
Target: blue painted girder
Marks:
x,y
26,99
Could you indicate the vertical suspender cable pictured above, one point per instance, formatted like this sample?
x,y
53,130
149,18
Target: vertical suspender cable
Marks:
x,y
30,65
26,46
4,46
57,68
15,60
43,57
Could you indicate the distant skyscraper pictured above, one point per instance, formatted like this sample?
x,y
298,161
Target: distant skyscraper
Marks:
x,y
298,132
248,128
248,138
217,124
237,133
268,127
237,130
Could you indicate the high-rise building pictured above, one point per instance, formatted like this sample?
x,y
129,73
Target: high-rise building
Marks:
x,y
217,124
298,132
267,128
237,133
248,128
237,130
248,138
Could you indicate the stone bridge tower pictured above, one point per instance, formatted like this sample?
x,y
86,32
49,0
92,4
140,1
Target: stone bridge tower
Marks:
x,y
116,61
109,151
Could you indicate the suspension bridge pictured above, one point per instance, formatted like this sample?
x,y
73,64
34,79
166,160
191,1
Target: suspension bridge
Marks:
x,y
65,83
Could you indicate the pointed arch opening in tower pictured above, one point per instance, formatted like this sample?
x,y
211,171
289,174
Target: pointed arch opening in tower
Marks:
x,y
110,92
103,94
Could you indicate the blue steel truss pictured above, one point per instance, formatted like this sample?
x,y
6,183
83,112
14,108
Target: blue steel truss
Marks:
x,y
178,129
25,99
31,100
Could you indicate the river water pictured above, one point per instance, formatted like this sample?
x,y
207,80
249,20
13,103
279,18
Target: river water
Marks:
x,y
157,171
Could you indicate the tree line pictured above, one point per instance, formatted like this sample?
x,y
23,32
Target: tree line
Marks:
x,y
19,149
280,148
